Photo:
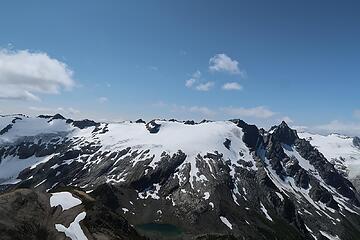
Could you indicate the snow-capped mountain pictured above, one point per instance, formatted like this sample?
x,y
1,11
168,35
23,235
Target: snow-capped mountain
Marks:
x,y
340,150
182,180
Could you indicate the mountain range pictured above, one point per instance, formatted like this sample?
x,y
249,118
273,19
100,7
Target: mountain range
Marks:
x,y
168,179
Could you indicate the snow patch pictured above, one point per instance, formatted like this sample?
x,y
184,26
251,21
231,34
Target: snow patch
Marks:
x,y
10,167
290,151
206,195
329,236
226,222
263,209
65,199
74,231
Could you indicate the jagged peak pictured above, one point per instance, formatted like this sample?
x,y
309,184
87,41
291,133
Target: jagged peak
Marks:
x,y
284,124
285,134
58,116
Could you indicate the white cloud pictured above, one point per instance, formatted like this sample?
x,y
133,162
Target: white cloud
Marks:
x,y
204,86
256,112
25,74
232,86
190,82
195,77
202,110
223,63
102,99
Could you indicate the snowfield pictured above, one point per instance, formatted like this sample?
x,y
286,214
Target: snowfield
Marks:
x,y
338,149
10,167
39,126
193,140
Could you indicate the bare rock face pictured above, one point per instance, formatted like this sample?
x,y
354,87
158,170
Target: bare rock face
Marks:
x,y
284,134
172,180
153,127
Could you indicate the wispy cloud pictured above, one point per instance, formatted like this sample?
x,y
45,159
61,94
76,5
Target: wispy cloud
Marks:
x,y
232,86
256,112
102,99
336,126
25,74
204,87
197,83
153,68
287,119
223,63
159,104
202,110
191,111
48,110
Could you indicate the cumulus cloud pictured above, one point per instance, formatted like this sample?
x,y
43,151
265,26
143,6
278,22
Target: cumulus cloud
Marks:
x,y
195,77
190,82
232,86
102,99
223,63
25,74
204,87
256,112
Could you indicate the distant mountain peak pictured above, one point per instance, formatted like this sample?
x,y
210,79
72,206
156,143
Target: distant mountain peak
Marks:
x,y
285,134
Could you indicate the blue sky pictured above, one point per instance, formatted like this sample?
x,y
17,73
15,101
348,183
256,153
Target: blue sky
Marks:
x,y
261,61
